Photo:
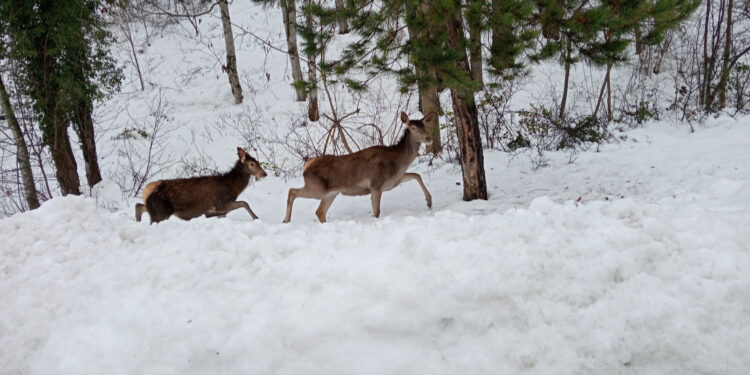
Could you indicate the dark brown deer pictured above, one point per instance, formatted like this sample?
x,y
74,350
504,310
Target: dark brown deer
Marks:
x,y
188,198
369,171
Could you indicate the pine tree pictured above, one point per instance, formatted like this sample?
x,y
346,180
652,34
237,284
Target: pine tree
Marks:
x,y
437,54
60,47
600,32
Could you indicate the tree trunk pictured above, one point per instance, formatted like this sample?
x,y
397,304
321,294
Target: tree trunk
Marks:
x,y
564,100
429,100
609,94
289,14
84,127
313,110
22,152
66,169
467,122
601,94
231,67
721,88
705,80
711,94
474,19
343,24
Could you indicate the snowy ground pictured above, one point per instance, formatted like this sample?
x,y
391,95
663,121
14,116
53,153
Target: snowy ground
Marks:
x,y
633,259
646,274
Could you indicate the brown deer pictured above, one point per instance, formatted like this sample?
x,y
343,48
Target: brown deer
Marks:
x,y
188,198
370,171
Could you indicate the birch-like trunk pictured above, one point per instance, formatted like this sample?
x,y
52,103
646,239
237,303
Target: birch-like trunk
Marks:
x,y
22,152
231,67
289,14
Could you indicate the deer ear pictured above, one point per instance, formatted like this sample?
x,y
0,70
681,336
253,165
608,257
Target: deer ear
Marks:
x,y
404,117
429,117
241,153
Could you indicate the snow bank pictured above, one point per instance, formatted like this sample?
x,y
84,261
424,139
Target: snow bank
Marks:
x,y
604,287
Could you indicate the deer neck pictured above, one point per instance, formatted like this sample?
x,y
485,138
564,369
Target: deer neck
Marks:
x,y
238,177
408,147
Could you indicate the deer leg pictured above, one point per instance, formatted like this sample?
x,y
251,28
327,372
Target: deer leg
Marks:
x,y
139,208
313,188
289,202
233,206
213,212
325,204
375,197
416,176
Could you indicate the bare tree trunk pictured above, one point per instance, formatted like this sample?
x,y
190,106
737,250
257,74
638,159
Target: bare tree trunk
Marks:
x,y
564,100
66,169
289,14
231,67
474,19
711,94
122,16
467,122
84,127
609,94
313,110
705,80
22,152
430,100
343,24
601,93
722,86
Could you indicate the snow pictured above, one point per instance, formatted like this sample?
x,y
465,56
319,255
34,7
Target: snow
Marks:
x,y
649,280
631,258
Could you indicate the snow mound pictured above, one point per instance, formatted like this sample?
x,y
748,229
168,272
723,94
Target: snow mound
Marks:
x,y
601,287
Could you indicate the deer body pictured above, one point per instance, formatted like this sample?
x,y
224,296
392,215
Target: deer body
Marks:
x,y
188,198
369,171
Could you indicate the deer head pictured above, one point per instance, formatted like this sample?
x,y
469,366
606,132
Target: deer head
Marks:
x,y
417,128
250,164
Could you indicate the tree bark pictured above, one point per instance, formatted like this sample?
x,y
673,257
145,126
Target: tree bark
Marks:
x,y
66,169
601,94
474,19
564,100
705,80
467,122
84,127
313,110
231,67
343,24
22,152
715,41
724,78
430,100
289,14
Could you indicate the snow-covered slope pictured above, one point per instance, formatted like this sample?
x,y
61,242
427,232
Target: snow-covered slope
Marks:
x,y
632,259
646,273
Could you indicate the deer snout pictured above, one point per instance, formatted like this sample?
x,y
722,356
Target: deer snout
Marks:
x,y
262,174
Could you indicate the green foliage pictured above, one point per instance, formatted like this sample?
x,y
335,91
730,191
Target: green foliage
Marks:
x,y
61,48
